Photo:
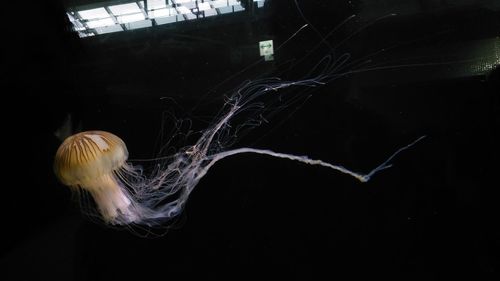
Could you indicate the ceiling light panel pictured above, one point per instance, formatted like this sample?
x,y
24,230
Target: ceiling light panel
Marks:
x,y
156,4
91,14
125,9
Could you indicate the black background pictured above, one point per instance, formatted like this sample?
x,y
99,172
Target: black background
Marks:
x,y
432,216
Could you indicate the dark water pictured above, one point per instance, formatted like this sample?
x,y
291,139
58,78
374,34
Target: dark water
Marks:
x,y
432,216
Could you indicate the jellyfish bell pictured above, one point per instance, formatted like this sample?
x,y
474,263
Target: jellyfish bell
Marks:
x,y
91,161
87,155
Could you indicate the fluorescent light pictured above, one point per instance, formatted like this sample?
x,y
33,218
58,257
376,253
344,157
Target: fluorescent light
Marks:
x,y
131,18
238,8
190,5
83,34
139,24
156,4
71,17
211,12
183,10
219,3
225,10
98,13
100,23
182,1
166,20
190,16
162,13
203,6
109,29
124,9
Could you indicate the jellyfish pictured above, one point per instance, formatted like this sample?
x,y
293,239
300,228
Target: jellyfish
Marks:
x,y
91,161
96,162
